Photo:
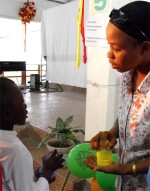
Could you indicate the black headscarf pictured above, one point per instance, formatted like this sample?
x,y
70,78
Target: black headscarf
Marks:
x,y
133,19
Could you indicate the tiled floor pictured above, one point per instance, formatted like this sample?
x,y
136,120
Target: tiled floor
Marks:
x,y
44,109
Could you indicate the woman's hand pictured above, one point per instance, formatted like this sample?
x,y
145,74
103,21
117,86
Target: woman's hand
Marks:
x,y
114,168
104,139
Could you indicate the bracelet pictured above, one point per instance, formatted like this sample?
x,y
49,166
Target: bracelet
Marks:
x,y
40,171
134,168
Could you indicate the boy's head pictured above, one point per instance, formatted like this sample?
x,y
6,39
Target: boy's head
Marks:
x,y
12,107
133,19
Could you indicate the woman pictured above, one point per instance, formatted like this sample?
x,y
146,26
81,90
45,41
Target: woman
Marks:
x,y
128,34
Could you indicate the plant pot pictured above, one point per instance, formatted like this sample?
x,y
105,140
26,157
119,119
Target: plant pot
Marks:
x,y
51,145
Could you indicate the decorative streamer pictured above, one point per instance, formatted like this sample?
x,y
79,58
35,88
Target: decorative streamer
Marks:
x,y
25,28
83,35
81,32
27,14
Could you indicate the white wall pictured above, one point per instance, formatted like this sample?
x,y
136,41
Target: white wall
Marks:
x,y
102,83
102,97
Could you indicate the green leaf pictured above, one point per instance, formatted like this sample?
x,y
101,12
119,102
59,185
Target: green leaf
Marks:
x,y
63,139
76,141
45,139
50,127
79,131
68,121
63,131
54,132
60,124
70,136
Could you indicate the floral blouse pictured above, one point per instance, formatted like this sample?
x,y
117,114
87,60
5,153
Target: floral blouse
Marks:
x,y
134,129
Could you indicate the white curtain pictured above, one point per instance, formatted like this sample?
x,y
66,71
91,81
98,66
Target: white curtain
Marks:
x,y
59,44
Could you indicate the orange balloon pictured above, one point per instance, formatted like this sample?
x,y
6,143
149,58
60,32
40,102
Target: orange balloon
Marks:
x,y
95,186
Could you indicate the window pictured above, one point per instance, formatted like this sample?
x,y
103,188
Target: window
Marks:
x,y
12,46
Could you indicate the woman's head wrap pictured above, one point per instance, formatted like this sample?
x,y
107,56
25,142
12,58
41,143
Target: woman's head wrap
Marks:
x,y
133,19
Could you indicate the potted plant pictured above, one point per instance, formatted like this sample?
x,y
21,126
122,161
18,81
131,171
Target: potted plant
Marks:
x,y
62,136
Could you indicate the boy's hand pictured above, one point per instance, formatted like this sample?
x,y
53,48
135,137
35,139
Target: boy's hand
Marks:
x,y
50,163
53,160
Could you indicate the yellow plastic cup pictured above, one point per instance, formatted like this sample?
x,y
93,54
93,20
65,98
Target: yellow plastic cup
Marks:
x,y
104,157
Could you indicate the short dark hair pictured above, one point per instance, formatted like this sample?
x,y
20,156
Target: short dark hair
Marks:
x,y
6,92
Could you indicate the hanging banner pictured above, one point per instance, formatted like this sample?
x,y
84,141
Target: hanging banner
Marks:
x,y
95,33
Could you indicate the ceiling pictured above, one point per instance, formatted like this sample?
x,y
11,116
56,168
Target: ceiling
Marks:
x,y
49,2
9,8
59,1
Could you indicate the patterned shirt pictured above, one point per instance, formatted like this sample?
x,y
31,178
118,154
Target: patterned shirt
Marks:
x,y
134,129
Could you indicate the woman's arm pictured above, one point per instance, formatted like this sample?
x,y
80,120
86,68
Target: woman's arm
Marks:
x,y
141,167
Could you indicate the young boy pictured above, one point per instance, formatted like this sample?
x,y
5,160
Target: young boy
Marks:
x,y
15,159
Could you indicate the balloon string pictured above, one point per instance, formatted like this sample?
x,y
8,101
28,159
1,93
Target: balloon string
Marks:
x,y
68,174
84,184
